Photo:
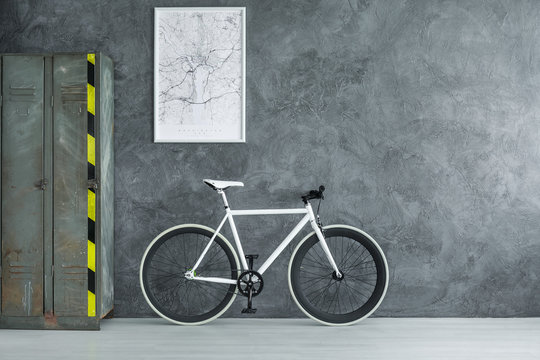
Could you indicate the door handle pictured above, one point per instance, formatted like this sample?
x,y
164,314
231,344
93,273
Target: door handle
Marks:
x,y
42,184
93,184
22,112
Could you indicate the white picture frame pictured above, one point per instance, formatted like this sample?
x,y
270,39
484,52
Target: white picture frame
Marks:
x,y
199,75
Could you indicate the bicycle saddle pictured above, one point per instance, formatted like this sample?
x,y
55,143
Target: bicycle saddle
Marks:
x,y
221,185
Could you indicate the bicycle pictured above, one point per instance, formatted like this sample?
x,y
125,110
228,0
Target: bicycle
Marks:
x,y
190,274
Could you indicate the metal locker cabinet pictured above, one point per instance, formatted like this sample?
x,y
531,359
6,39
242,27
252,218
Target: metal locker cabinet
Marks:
x,y
22,181
70,183
70,99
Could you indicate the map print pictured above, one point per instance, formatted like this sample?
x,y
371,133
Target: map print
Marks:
x,y
199,76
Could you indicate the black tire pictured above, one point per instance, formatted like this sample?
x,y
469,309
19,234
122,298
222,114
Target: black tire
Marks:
x,y
324,297
174,297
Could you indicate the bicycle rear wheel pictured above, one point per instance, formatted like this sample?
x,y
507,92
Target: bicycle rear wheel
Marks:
x,y
174,297
323,296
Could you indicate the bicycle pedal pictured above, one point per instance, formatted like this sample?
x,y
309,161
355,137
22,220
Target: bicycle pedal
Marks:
x,y
249,311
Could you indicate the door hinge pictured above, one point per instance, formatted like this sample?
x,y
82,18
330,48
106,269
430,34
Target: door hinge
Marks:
x,y
52,270
52,101
93,184
1,100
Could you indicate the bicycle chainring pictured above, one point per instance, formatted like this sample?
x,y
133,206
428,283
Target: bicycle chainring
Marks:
x,y
250,280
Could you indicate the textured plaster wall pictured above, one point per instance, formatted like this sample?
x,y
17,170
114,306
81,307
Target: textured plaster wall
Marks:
x,y
422,118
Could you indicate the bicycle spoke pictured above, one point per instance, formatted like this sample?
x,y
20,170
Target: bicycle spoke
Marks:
x,y
324,259
173,258
355,290
216,253
308,264
197,242
320,288
167,262
348,254
361,280
331,301
351,295
169,290
313,260
208,292
163,281
309,272
367,265
362,275
163,271
210,284
184,252
322,278
360,258
335,297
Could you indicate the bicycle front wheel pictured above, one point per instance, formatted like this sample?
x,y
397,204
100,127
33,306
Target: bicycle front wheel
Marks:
x,y
325,297
174,297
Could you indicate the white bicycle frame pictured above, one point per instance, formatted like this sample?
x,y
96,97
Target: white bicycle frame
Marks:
x,y
309,217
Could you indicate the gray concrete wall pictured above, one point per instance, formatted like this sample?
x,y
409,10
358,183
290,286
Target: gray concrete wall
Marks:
x,y
422,118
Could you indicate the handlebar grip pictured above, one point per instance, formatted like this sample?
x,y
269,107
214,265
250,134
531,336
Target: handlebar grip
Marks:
x,y
314,194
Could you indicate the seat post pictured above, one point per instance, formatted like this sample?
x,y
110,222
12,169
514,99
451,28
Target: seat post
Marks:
x,y
225,203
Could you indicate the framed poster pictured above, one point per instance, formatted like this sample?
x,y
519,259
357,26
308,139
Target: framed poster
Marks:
x,y
199,74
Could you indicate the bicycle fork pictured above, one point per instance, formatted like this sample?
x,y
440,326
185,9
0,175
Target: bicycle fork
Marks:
x,y
317,228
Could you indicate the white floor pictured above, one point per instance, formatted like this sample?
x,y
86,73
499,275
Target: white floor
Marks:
x,y
376,338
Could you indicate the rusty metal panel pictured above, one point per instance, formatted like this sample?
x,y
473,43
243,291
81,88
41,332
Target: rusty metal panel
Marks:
x,y
48,193
70,185
22,182
105,168
0,185
50,322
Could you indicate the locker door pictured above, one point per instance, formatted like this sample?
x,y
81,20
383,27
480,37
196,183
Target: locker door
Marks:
x,y
70,185
22,194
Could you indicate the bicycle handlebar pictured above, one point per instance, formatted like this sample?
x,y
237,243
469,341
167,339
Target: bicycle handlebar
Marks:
x,y
314,194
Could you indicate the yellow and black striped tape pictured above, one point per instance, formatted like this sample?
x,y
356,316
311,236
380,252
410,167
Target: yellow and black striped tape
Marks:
x,y
91,143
